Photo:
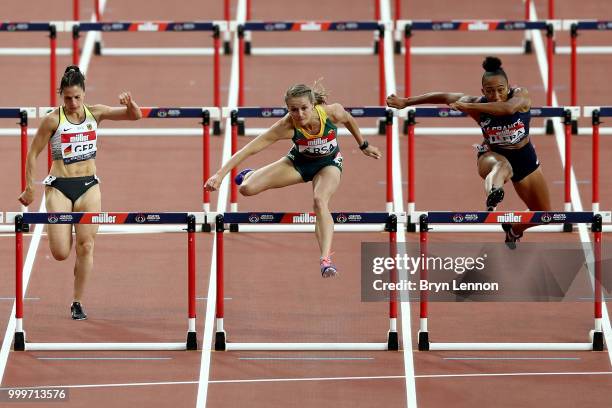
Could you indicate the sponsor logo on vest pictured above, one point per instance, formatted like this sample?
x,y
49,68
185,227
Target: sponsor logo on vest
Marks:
x,y
79,138
103,218
304,218
509,217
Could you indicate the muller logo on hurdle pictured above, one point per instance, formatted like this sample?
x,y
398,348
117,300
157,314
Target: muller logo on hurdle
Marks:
x,y
304,218
103,218
509,218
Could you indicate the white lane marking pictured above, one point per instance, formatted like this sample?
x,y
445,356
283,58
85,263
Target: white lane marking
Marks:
x,y
575,193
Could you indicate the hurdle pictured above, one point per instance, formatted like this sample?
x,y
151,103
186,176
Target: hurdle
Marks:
x,y
279,112
595,113
20,219
574,26
260,222
567,113
159,26
479,26
310,26
530,217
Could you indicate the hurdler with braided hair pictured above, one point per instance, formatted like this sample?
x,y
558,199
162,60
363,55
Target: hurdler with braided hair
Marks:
x,y
72,184
506,153
315,156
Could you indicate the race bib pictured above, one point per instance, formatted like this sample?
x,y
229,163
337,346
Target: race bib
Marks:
x,y
317,147
79,146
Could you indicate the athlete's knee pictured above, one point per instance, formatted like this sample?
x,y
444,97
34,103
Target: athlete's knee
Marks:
x,y
60,254
319,203
247,190
85,247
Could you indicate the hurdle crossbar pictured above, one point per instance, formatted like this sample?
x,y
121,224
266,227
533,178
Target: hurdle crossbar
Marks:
x,y
567,113
279,112
389,220
104,218
524,217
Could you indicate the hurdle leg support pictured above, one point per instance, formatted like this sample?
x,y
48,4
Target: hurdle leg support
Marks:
x,y
216,127
423,341
220,341
392,341
192,340
19,343
598,340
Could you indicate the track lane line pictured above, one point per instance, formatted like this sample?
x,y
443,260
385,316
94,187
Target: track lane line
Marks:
x,y
576,201
209,321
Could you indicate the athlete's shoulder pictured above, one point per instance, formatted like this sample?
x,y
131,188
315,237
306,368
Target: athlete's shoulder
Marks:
x,y
51,119
334,111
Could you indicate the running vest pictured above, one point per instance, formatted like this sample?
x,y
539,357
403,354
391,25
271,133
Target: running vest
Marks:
x,y
505,130
74,142
315,146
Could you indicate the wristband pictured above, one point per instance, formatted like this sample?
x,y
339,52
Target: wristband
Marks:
x,y
364,145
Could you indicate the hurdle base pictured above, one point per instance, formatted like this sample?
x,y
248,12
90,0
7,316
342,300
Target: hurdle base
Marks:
x,y
392,341
511,346
528,47
241,127
227,48
26,228
568,227
423,341
306,346
220,341
410,226
598,341
216,127
382,127
192,341
97,48
105,346
247,48
397,47
574,127
550,129
405,128
375,48
19,342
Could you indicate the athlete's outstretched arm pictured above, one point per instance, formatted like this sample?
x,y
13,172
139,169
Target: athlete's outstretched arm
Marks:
x,y
280,130
43,134
338,114
446,98
131,111
520,102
